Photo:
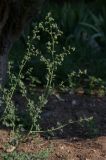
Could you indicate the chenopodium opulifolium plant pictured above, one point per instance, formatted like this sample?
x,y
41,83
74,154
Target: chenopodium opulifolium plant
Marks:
x,y
52,60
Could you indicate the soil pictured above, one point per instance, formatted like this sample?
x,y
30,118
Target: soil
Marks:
x,y
80,139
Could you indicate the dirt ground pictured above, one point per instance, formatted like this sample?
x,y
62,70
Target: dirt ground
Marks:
x,y
80,140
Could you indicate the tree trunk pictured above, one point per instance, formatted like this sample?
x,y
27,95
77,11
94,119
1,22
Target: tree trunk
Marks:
x,y
4,51
3,72
3,67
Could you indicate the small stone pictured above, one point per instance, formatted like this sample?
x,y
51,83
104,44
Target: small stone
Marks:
x,y
74,102
10,149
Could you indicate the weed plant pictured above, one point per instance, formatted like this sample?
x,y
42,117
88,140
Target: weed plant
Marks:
x,y
25,83
18,81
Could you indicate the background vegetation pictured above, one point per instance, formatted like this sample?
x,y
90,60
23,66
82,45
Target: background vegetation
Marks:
x,y
84,27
